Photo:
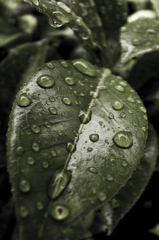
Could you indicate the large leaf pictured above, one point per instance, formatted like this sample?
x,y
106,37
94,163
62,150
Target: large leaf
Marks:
x,y
77,125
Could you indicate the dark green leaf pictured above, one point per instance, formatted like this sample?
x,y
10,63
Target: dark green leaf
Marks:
x,y
78,118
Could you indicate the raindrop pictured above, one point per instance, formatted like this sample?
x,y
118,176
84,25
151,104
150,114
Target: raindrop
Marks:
x,y
118,105
53,110
35,128
66,101
71,147
59,212
58,183
124,163
143,109
62,16
60,133
64,64
45,164
69,81
84,67
89,149
129,111
30,160
111,115
45,81
119,88
130,99
136,42
122,115
39,205
35,147
24,186
52,99
24,100
19,150
23,211
35,2
47,124
64,7
102,196
143,129
123,139
92,170
94,137
85,117
145,117
124,84
49,65
53,153
109,177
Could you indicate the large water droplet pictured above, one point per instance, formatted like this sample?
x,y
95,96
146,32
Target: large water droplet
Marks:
x,y
23,211
53,110
119,88
66,101
92,170
23,100
24,186
35,147
35,128
123,139
58,183
19,150
45,81
118,105
85,117
84,67
102,196
71,147
59,212
69,81
94,137
64,7
30,160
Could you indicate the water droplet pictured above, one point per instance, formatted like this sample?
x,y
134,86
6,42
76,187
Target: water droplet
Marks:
x,y
94,190
89,149
23,211
94,137
71,147
39,205
135,42
119,88
64,64
45,164
24,100
35,147
66,101
125,48
124,163
48,102
143,129
53,153
92,170
122,115
115,203
24,186
109,177
35,128
118,105
64,7
19,150
111,115
63,17
53,110
84,67
69,81
150,31
129,111
58,183
60,133
59,212
30,160
143,109
45,81
49,65
131,100
124,84
47,124
123,139
85,117
52,99
145,117
102,196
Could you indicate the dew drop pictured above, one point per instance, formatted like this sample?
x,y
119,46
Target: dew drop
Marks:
x,y
19,151
111,115
102,196
119,88
69,81
24,100
58,183
39,206
123,139
89,149
94,137
84,67
62,16
35,147
35,128
122,115
124,84
145,117
35,2
64,7
60,133
71,147
47,124
143,109
66,101
136,42
85,117
109,177
59,212
45,81
49,65
23,211
143,129
129,111
53,110
30,160
118,105
130,99
24,186
124,163
64,64
53,153
92,170
45,165
52,99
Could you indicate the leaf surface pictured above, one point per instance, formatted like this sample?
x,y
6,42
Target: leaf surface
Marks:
x,y
72,128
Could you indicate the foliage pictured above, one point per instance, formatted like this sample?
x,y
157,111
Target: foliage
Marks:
x,y
80,149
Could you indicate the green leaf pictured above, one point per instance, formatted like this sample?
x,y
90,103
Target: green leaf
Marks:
x,y
71,117
116,209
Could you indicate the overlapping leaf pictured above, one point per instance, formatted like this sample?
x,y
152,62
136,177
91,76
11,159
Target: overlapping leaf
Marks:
x,y
75,137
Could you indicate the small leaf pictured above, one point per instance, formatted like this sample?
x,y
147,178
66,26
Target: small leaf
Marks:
x,y
79,138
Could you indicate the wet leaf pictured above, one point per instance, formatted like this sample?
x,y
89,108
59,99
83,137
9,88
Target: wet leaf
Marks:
x,y
61,117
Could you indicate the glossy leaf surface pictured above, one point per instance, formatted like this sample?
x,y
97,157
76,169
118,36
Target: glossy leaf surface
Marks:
x,y
63,115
